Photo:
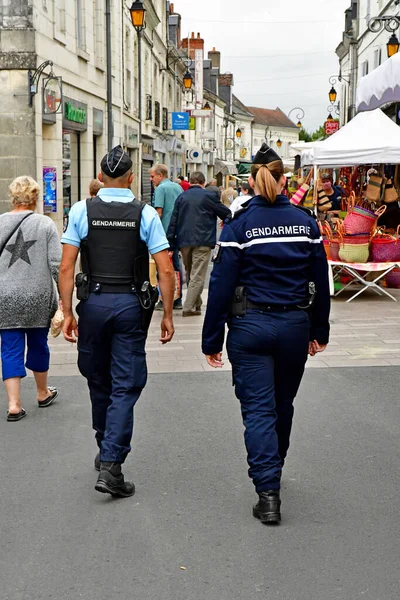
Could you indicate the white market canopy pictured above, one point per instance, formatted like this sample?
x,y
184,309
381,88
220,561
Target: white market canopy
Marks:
x,y
380,87
369,138
300,146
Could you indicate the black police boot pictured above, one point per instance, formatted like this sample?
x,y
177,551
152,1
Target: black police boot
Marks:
x,y
97,462
111,481
268,508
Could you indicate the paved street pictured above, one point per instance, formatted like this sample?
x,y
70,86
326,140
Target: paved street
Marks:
x,y
365,332
189,533
340,534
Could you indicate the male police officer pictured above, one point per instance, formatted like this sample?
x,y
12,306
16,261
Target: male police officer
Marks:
x,y
115,232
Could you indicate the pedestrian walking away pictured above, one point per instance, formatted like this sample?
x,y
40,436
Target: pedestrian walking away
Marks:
x,y
185,185
193,230
165,195
229,195
270,284
30,255
247,193
115,234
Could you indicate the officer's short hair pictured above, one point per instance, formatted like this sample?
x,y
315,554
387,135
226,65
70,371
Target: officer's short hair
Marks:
x,y
160,170
197,178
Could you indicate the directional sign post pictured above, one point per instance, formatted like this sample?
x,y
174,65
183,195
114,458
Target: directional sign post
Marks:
x,y
180,121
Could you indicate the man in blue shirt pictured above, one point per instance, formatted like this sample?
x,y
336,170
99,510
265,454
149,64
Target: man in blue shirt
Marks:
x,y
165,195
115,233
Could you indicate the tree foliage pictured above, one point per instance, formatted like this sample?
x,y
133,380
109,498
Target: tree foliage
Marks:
x,y
319,134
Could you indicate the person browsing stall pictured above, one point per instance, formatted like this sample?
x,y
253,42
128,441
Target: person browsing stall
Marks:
x,y
115,233
270,284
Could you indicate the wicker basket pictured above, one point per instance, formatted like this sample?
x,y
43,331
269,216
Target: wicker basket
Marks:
x,y
354,253
385,248
359,219
393,279
335,246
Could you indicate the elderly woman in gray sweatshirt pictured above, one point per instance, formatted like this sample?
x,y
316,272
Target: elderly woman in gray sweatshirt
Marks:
x,y
30,255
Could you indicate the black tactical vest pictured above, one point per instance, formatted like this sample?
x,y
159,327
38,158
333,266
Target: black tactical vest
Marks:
x,y
113,253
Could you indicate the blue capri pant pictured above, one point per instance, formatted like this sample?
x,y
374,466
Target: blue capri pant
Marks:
x,y
13,351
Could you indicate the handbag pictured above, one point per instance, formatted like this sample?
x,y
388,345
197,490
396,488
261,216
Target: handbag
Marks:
x,y
57,323
324,203
14,231
302,191
390,194
308,201
375,188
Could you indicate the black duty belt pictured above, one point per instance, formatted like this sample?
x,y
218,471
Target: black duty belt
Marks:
x,y
272,307
111,288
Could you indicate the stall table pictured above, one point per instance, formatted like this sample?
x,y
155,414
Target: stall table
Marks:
x,y
357,271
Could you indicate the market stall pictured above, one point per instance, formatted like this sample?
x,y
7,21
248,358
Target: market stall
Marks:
x,y
368,148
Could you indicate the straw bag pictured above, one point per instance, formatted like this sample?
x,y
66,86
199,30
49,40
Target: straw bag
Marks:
x,y
354,253
386,248
326,233
359,219
302,191
390,194
375,188
393,279
308,201
324,202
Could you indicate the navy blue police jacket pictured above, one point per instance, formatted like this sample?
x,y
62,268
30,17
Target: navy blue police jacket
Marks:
x,y
274,251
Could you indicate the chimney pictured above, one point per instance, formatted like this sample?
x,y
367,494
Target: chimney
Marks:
x,y
215,58
171,9
192,44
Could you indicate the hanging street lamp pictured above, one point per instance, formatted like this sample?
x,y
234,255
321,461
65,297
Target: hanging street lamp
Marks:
x,y
393,45
330,119
279,143
238,133
187,81
332,95
138,15
299,116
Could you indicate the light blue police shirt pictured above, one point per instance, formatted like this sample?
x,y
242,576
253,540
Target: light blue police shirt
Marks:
x,y
151,230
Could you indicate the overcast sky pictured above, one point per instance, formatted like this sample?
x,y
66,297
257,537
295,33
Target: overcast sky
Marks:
x,y
281,52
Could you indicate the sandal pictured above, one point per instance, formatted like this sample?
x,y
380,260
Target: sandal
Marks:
x,y
50,399
12,418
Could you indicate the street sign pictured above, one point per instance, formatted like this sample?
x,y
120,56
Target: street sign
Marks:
x,y
192,124
331,127
180,121
202,114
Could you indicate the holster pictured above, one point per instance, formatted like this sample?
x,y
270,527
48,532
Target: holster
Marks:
x,y
148,297
82,282
239,303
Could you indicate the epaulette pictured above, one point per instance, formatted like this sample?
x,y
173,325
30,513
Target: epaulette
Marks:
x,y
241,210
308,211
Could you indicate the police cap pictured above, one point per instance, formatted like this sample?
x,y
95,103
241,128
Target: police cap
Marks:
x,y
265,156
116,163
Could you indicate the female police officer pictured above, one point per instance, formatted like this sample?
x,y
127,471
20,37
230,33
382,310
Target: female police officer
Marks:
x,y
268,265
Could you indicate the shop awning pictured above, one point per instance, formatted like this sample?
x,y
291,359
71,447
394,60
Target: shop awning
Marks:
x,y
380,87
225,167
369,138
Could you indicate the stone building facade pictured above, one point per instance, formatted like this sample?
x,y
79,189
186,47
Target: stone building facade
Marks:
x,y
65,149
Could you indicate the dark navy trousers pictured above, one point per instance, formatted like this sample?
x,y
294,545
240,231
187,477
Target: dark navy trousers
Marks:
x,y
268,352
112,357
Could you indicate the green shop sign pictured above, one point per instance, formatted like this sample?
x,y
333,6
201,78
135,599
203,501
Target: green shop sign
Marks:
x,y
75,114
72,113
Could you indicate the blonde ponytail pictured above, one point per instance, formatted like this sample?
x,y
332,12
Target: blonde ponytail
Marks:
x,y
266,177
